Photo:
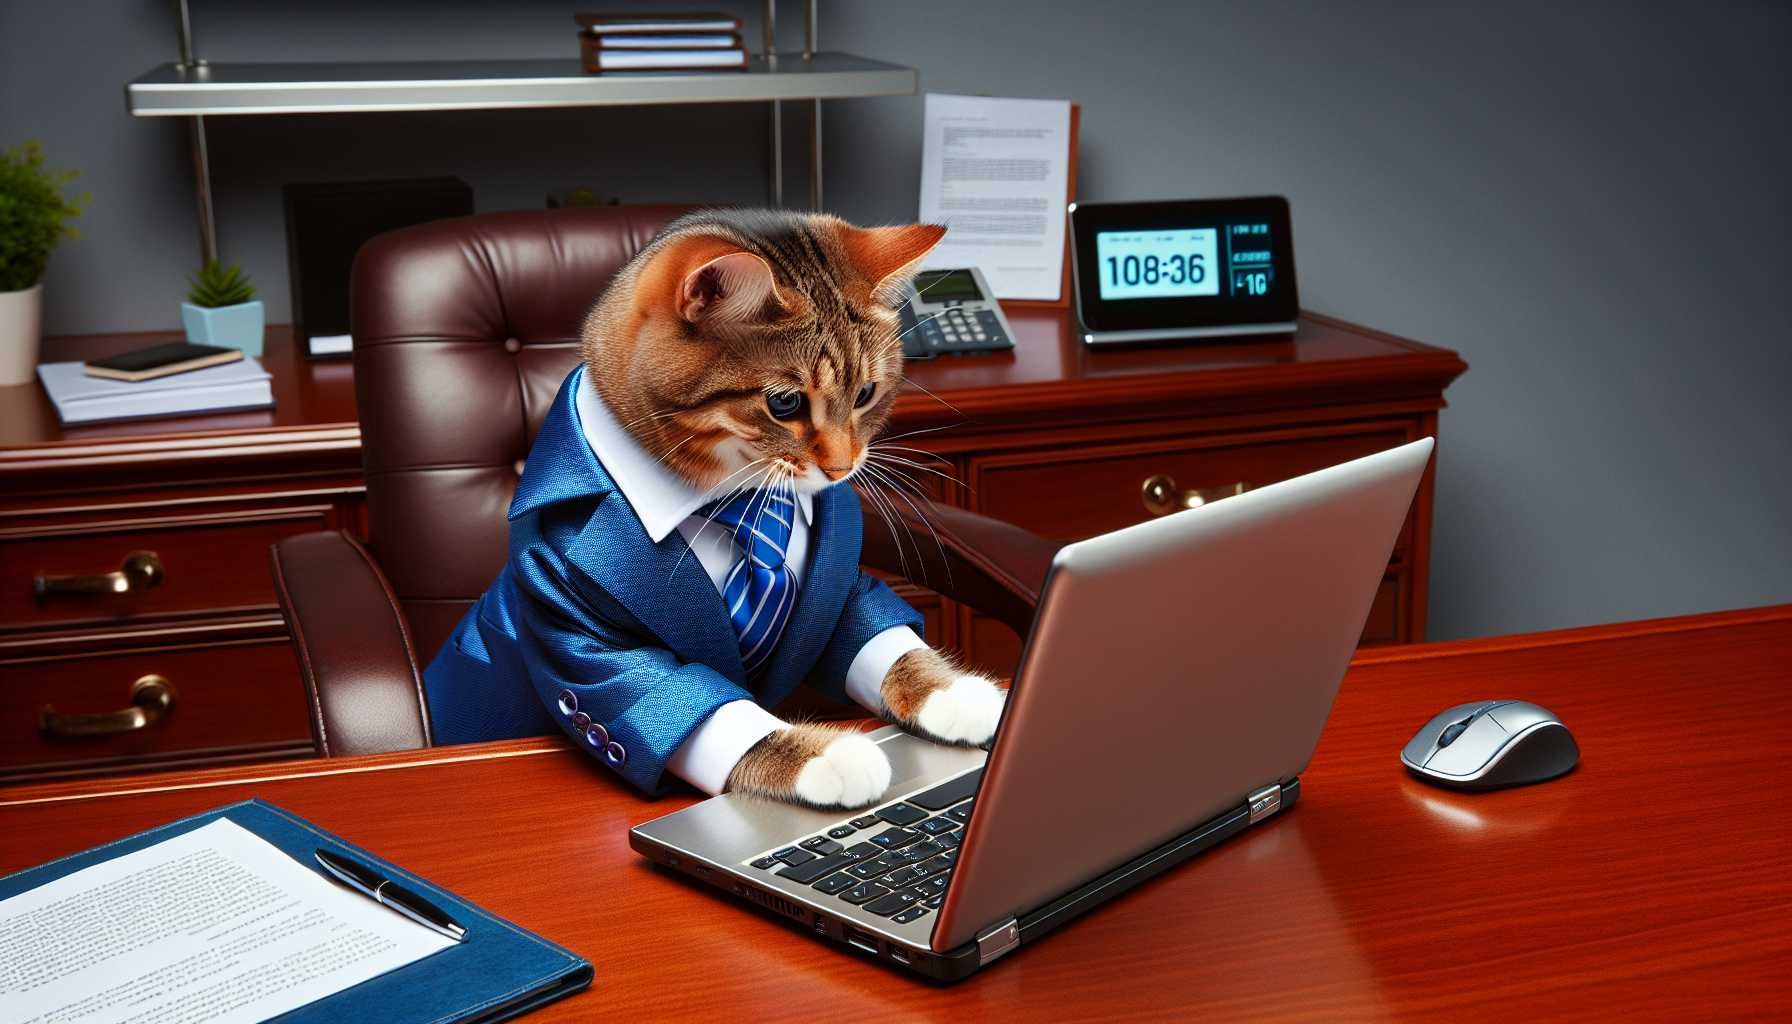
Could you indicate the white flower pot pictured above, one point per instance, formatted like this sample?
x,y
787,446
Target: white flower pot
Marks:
x,y
239,326
21,327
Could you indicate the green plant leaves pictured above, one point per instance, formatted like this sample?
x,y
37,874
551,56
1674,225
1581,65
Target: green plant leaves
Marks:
x,y
34,214
215,285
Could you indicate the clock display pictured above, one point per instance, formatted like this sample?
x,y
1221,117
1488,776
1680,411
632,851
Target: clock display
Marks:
x,y
1158,264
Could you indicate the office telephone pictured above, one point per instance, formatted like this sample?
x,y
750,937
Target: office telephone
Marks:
x,y
951,311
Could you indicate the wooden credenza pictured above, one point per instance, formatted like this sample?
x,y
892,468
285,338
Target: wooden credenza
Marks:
x,y
1065,441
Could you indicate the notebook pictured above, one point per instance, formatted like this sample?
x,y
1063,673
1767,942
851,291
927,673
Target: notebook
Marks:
x,y
658,21
79,398
499,972
667,60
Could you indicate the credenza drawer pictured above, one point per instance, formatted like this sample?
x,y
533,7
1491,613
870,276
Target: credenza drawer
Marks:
x,y
222,697
1070,495
121,569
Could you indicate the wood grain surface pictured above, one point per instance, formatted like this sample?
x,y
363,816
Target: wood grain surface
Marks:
x,y
1653,882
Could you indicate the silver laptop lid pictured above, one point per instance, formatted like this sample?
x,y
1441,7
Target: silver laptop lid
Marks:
x,y
1174,667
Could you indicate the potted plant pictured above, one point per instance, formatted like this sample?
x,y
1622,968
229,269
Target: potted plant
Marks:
x,y
34,216
221,309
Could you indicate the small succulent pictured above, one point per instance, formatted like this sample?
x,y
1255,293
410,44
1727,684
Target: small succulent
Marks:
x,y
215,285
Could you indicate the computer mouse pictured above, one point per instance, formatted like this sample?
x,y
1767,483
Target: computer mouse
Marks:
x,y
1491,743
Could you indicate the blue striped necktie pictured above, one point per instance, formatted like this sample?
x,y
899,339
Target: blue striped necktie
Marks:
x,y
760,590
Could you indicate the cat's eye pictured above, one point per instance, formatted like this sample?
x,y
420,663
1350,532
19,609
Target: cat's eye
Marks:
x,y
868,389
784,404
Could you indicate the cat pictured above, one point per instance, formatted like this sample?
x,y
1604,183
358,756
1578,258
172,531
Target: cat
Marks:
x,y
764,346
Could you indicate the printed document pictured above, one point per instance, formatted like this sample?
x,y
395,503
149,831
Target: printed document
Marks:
x,y
214,925
996,173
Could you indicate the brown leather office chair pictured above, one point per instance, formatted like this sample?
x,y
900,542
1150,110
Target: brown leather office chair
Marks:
x,y
464,330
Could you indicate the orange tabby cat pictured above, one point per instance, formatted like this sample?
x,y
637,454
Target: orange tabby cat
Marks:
x,y
762,347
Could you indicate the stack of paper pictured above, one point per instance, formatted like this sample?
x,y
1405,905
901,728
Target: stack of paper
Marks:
x,y
83,399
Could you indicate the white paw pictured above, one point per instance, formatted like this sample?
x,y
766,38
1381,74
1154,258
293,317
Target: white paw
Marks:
x,y
965,712
851,772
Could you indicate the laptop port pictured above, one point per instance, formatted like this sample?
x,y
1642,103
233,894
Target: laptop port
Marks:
x,y
861,940
898,955
821,925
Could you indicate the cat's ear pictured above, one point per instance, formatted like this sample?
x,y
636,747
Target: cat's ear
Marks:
x,y
729,287
888,258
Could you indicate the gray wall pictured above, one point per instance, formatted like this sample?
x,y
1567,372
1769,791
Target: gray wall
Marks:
x,y
1589,201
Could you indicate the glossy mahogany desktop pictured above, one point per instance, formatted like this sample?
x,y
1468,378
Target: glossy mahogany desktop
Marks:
x,y
1652,882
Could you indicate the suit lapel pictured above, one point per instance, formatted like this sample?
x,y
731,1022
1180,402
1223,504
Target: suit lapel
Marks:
x,y
833,568
662,584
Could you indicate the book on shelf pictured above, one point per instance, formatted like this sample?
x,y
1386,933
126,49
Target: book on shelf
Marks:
x,y
671,41
79,398
632,22
598,60
660,41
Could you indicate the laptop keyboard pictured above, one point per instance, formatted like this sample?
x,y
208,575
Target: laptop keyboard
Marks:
x,y
895,861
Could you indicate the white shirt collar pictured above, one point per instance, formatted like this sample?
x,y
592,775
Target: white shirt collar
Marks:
x,y
661,498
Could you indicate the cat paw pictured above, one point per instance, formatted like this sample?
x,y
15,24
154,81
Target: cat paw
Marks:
x,y
849,772
963,711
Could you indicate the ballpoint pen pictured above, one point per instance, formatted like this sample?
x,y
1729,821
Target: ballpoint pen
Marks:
x,y
370,883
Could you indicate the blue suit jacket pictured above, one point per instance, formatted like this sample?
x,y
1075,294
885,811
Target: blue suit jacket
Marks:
x,y
624,644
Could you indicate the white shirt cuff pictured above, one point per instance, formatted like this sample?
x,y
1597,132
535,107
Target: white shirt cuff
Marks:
x,y
710,752
865,676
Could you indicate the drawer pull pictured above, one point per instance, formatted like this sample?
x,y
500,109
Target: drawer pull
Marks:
x,y
1162,496
152,699
140,570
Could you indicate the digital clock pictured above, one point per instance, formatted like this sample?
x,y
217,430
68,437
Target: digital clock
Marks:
x,y
1183,269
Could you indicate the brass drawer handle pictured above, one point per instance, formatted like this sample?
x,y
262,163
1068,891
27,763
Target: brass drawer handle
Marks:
x,y
152,699
1162,496
140,570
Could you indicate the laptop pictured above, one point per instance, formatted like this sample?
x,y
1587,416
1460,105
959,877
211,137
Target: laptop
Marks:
x,y
1170,693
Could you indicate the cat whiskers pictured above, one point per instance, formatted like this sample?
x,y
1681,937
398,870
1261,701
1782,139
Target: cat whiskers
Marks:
x,y
911,382
895,481
871,489
896,464
661,459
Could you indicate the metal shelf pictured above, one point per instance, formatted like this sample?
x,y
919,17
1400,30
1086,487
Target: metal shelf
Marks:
x,y
266,88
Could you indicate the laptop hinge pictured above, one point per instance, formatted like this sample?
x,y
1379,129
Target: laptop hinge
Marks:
x,y
1265,802
998,940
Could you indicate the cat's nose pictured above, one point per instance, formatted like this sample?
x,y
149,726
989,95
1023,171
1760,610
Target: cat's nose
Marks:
x,y
837,472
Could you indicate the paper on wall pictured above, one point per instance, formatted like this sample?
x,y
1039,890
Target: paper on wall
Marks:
x,y
996,173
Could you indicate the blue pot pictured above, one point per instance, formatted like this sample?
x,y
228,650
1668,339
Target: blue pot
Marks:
x,y
238,326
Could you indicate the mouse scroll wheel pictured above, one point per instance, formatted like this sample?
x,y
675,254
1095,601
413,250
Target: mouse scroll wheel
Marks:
x,y
1450,733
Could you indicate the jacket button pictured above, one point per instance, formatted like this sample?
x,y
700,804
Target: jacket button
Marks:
x,y
512,345
615,754
569,702
597,735
581,721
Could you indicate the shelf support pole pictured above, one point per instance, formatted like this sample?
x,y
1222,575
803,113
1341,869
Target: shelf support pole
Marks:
x,y
201,153
776,184
202,192
814,113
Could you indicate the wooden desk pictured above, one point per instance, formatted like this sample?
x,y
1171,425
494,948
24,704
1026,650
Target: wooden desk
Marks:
x,y
1053,436
1653,882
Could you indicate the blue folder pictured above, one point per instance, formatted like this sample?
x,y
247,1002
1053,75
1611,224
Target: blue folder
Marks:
x,y
499,972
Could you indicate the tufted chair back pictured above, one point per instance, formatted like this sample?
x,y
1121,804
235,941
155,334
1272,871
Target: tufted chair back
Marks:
x,y
464,329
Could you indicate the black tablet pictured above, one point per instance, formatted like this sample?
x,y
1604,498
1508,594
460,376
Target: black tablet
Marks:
x,y
1192,268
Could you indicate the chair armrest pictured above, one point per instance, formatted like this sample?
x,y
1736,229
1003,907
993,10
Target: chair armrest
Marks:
x,y
995,567
353,647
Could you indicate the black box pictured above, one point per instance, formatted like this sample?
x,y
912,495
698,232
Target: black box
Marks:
x,y
327,222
